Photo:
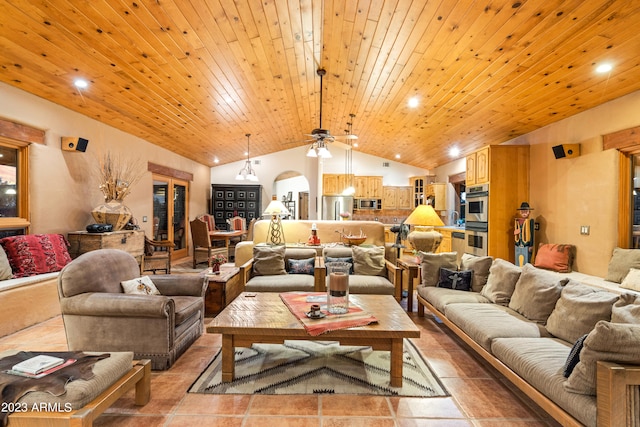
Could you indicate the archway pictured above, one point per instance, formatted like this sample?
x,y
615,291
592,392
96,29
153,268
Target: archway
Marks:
x,y
292,188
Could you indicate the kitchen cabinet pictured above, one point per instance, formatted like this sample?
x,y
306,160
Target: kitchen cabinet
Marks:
x,y
334,184
478,167
506,169
396,197
368,187
438,194
445,244
417,185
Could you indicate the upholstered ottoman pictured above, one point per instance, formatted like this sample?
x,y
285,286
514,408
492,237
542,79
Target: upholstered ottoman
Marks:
x,y
83,400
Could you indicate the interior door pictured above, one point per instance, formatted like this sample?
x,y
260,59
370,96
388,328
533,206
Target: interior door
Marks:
x,y
170,212
303,205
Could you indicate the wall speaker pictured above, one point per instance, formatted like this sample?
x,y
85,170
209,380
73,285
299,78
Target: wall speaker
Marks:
x,y
74,143
566,151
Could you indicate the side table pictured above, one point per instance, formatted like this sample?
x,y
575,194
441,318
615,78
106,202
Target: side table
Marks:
x,y
410,270
221,289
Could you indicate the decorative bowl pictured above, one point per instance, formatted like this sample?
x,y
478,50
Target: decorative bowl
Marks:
x,y
353,240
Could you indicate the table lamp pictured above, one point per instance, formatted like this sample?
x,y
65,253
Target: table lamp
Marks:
x,y
275,233
423,237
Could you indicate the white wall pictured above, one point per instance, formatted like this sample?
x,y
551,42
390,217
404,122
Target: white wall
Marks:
x,y
64,188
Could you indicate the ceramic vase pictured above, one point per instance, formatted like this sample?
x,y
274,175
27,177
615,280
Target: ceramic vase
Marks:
x,y
113,212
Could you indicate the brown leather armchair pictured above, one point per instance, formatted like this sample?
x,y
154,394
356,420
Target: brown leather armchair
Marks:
x,y
99,316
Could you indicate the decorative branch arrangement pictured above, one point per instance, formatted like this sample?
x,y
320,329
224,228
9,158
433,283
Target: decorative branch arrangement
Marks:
x,y
118,175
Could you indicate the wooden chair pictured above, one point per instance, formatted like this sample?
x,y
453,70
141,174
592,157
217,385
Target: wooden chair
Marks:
x,y
202,242
157,255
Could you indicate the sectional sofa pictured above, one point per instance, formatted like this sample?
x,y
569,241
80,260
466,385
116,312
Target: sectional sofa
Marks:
x,y
549,333
297,266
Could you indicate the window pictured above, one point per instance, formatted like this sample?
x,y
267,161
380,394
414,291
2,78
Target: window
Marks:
x,y
14,188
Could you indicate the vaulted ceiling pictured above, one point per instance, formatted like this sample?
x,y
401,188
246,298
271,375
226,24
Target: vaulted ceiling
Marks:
x,y
195,76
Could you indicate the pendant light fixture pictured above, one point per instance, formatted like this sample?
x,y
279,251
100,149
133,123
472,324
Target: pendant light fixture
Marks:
x,y
348,159
247,172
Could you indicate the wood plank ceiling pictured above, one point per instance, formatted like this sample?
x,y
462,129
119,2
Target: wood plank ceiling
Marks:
x,y
195,76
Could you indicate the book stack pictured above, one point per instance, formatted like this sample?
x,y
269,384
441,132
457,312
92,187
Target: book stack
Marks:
x,y
39,366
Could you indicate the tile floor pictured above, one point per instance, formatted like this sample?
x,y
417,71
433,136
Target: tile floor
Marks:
x,y
479,396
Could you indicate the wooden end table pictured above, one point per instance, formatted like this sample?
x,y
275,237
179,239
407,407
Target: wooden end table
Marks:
x,y
264,318
221,289
410,270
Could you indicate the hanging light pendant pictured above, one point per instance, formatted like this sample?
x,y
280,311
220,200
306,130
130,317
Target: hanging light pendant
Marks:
x,y
247,172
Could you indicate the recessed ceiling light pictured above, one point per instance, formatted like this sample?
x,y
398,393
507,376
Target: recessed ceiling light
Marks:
x,y
80,83
454,152
397,156
604,68
355,145
413,102
216,160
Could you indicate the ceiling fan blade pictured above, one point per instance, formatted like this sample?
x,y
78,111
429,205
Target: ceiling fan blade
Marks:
x,y
350,136
342,145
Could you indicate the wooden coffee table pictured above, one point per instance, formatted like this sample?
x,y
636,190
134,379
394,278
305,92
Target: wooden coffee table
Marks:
x,y
263,318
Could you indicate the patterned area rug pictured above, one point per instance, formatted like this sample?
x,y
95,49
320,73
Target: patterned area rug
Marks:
x,y
320,367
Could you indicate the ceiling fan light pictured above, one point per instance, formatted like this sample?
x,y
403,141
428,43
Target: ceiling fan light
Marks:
x,y
324,153
312,152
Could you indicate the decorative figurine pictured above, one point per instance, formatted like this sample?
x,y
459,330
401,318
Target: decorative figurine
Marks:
x,y
314,240
523,235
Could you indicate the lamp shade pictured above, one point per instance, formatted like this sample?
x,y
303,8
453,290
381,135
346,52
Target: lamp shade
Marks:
x,y
424,215
276,207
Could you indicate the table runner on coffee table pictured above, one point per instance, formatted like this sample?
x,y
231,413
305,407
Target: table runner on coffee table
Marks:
x,y
299,304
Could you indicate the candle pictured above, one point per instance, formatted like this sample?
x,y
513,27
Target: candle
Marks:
x,y
338,282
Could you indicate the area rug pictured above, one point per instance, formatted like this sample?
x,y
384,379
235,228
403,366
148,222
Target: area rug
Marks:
x,y
320,367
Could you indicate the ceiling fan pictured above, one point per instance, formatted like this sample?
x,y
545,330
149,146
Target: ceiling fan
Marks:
x,y
322,136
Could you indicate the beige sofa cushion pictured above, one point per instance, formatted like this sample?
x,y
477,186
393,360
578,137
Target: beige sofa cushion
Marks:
x,y
268,260
632,280
621,261
578,310
613,342
368,261
480,266
536,293
430,264
501,281
626,309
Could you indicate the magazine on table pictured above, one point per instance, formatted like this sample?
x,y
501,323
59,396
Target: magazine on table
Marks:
x,y
39,366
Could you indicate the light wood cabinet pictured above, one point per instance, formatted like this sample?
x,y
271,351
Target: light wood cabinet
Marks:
x,y
368,187
403,198
334,184
445,244
506,169
478,167
418,184
396,197
438,194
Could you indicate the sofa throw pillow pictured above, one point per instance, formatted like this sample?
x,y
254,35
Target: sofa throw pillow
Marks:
x,y
632,280
574,356
480,266
612,342
268,260
5,267
626,309
34,254
452,279
369,260
621,261
536,293
431,263
340,259
578,310
301,266
555,257
501,281
140,286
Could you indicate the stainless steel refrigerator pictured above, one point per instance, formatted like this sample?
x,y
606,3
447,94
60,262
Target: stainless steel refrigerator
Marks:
x,y
333,206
